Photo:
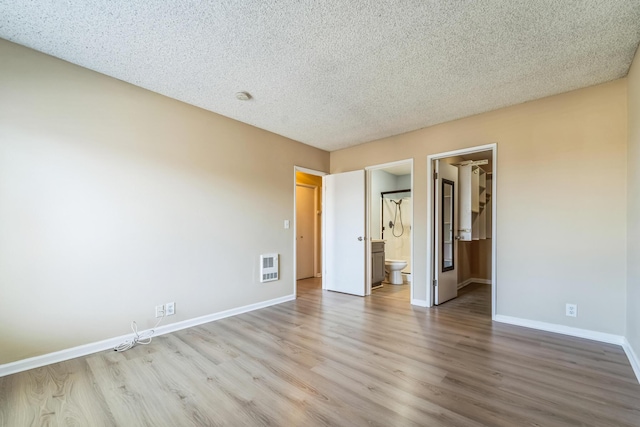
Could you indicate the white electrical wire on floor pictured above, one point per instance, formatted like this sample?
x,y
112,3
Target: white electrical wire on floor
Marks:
x,y
143,338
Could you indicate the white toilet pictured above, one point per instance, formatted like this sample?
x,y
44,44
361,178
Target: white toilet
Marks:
x,y
394,268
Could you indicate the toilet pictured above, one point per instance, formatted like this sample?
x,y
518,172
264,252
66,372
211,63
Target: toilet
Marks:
x,y
394,268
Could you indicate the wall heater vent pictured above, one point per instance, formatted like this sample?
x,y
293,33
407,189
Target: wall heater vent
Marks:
x,y
268,267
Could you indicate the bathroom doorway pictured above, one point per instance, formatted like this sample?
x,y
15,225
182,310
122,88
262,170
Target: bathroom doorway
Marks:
x,y
390,228
461,232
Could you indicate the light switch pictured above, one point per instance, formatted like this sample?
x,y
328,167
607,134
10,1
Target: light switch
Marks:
x,y
286,224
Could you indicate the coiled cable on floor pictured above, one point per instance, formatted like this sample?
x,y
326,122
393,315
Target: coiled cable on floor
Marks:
x,y
143,338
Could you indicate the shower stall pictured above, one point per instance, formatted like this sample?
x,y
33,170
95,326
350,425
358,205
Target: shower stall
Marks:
x,y
395,227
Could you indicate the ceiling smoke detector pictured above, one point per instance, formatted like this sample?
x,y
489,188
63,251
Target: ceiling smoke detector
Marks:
x,y
243,96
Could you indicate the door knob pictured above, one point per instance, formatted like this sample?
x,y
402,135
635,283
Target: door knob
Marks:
x,y
360,238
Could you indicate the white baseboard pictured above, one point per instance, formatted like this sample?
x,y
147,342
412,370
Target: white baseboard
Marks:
x,y
580,333
419,302
108,344
633,358
60,356
562,329
473,280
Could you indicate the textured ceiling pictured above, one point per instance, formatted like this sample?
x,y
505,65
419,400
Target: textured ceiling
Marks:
x,y
336,73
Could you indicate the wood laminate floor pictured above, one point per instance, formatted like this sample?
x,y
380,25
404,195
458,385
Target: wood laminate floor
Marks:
x,y
334,359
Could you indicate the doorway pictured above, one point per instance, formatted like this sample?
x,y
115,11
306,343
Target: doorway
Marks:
x,y
389,211
461,209
306,238
307,228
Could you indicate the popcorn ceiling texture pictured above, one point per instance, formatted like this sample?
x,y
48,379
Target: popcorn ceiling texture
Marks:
x,y
338,73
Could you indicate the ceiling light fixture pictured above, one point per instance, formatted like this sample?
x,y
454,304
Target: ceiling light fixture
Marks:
x,y
243,96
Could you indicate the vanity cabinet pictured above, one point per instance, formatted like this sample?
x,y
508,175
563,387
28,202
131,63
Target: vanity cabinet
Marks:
x,y
377,263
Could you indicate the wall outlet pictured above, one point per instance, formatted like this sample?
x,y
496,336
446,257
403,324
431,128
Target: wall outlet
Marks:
x,y
572,310
159,310
170,308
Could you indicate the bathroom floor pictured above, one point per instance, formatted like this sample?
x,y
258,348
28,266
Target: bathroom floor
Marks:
x,y
396,292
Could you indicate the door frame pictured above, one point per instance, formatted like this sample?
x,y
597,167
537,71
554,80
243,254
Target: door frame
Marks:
x,y
295,225
494,213
367,222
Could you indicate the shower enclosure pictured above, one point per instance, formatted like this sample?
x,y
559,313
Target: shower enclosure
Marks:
x,y
396,225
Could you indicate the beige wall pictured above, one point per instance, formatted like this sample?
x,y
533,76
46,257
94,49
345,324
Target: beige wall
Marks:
x,y
474,260
633,213
315,180
114,199
561,195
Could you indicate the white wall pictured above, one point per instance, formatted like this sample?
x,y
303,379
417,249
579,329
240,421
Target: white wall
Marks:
x,y
114,199
380,181
562,201
403,182
398,238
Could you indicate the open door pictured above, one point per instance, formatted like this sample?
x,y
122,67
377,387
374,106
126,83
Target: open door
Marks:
x,y
446,220
344,209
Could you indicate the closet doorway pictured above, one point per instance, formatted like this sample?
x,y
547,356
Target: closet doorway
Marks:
x,y
462,233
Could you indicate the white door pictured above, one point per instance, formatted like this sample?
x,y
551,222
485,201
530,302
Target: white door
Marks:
x,y
446,220
344,215
305,234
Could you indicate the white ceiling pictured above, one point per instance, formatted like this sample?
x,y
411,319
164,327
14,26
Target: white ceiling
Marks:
x,y
336,73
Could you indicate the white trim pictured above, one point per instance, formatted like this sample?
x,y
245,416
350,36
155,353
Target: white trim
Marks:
x,y
413,221
316,231
633,358
60,356
580,333
494,215
494,232
368,267
419,302
310,171
463,151
562,329
474,280
390,164
109,344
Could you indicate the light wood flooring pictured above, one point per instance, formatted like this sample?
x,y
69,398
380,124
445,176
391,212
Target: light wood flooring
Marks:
x,y
334,359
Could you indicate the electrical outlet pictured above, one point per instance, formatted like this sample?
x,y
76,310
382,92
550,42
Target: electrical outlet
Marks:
x,y
170,308
159,310
572,310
